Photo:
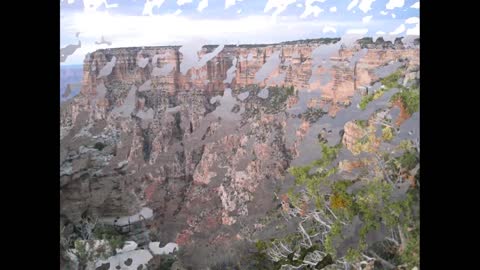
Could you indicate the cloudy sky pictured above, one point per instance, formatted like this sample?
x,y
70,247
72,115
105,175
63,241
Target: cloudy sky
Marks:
x,y
127,23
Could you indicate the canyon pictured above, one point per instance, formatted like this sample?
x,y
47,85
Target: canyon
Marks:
x,y
190,146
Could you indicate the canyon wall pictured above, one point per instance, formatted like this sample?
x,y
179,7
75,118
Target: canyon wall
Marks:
x,y
203,139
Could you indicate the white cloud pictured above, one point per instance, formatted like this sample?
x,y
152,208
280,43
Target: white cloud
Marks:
x,y
327,29
131,31
93,5
416,5
202,5
183,2
299,5
360,31
279,5
395,4
333,9
177,12
412,20
352,4
311,9
149,5
366,19
414,31
393,15
380,33
383,12
230,3
365,5
400,29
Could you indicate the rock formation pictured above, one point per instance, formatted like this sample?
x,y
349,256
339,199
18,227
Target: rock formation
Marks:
x,y
191,146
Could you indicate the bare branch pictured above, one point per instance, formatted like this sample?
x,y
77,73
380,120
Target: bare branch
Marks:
x,y
393,241
317,218
382,167
285,248
366,257
331,212
304,233
309,262
293,267
383,123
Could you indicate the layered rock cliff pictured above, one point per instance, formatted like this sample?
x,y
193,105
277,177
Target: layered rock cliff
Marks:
x,y
203,138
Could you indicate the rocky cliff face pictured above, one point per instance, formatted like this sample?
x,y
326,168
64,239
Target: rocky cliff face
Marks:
x,y
204,138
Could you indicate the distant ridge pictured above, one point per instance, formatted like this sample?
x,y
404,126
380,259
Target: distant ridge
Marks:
x,y
364,40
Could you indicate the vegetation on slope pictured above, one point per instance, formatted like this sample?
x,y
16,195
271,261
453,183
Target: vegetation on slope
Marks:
x,y
114,238
409,97
333,206
90,241
389,82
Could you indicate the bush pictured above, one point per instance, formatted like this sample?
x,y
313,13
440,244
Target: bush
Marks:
x,y
408,160
80,247
99,146
362,123
166,263
329,153
365,100
387,134
261,245
410,98
290,91
391,81
114,238
260,259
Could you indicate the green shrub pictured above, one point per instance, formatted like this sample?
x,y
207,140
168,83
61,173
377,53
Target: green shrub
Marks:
x,y
389,82
410,98
365,100
261,245
290,91
300,173
408,160
352,255
362,123
114,238
166,263
80,247
387,133
329,153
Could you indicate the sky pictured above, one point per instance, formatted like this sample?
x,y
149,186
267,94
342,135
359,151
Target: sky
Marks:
x,y
128,23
